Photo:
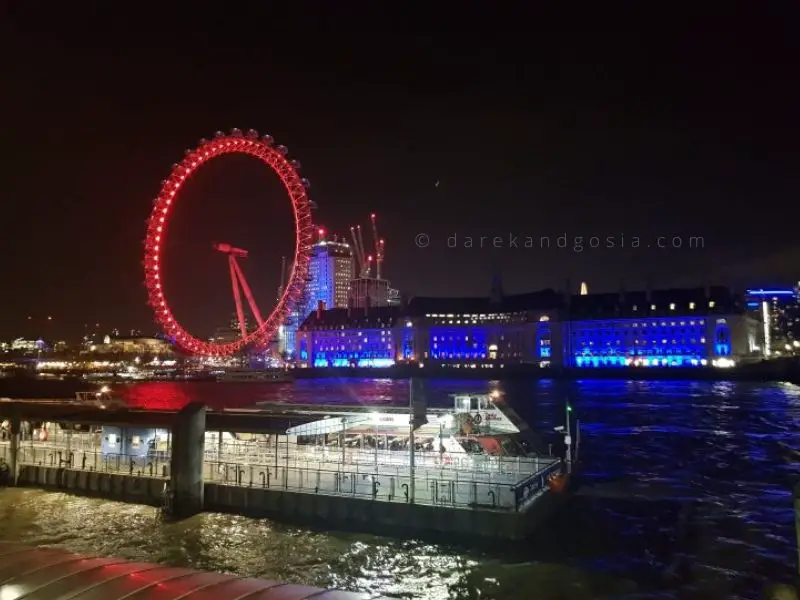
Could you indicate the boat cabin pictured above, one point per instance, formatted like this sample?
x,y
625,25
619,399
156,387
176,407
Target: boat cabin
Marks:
x,y
477,429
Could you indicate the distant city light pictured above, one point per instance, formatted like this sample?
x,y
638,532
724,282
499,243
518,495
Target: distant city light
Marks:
x,y
780,292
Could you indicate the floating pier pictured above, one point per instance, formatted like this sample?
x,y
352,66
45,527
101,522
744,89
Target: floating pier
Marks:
x,y
467,472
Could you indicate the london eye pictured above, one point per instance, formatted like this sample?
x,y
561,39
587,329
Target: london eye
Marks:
x,y
275,157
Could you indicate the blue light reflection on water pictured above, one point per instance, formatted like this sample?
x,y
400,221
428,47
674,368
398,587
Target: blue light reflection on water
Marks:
x,y
718,448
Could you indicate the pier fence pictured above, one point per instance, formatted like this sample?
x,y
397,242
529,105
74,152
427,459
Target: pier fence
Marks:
x,y
386,481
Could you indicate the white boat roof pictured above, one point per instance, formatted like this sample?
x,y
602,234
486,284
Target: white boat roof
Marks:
x,y
341,409
397,421
381,423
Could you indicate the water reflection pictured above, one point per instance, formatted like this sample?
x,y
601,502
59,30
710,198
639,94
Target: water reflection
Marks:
x,y
261,548
687,486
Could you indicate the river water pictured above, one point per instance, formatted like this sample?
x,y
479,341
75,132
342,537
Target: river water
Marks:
x,y
687,494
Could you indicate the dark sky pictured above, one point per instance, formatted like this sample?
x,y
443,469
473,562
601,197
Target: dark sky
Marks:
x,y
634,125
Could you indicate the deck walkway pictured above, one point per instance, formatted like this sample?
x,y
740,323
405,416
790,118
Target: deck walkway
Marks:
x,y
500,483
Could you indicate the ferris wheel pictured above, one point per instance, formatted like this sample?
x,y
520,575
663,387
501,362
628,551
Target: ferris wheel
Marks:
x,y
264,149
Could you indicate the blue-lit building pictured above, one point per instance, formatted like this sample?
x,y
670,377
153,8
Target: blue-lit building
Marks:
x,y
663,328
449,332
347,337
330,271
488,332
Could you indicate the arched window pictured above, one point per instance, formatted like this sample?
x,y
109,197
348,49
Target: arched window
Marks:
x,y
722,340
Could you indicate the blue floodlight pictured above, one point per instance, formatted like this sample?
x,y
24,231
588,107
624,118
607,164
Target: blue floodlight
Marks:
x,y
780,292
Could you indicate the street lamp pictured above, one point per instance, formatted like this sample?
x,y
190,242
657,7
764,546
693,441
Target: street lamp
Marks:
x,y
567,432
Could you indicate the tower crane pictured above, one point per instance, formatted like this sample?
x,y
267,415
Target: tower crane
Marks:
x,y
378,247
365,266
357,253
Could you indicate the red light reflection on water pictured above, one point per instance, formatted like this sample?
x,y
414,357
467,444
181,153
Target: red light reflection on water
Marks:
x,y
166,395
160,395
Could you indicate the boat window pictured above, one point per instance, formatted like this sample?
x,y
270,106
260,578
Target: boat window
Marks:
x,y
462,404
510,447
471,446
530,442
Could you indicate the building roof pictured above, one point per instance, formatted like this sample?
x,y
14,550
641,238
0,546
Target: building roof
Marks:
x,y
377,317
668,302
675,301
51,573
541,300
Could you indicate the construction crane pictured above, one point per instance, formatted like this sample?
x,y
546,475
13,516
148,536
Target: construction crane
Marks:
x,y
365,265
357,253
378,247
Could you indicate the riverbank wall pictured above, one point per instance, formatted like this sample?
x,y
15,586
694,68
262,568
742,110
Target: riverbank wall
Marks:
x,y
33,388
136,489
760,372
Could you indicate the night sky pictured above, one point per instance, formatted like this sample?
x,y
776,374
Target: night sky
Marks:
x,y
443,123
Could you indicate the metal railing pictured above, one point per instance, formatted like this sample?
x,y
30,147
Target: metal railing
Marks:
x,y
124,464
470,481
300,454
443,487
263,453
61,440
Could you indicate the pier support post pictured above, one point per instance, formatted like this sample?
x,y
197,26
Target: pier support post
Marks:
x,y
419,416
186,461
13,448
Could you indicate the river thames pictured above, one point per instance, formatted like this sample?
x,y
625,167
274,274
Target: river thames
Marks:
x,y
687,493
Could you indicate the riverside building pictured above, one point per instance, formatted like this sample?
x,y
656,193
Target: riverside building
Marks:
x,y
650,329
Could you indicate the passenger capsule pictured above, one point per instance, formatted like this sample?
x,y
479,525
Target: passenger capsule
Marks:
x,y
306,183
295,164
252,134
283,150
219,134
236,132
203,141
267,139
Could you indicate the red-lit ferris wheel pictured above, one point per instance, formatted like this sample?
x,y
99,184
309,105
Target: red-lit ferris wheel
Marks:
x,y
263,148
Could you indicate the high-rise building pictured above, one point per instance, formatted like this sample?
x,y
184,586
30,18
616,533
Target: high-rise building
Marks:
x,y
330,272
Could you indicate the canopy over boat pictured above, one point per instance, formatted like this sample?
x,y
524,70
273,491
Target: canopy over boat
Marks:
x,y
471,414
